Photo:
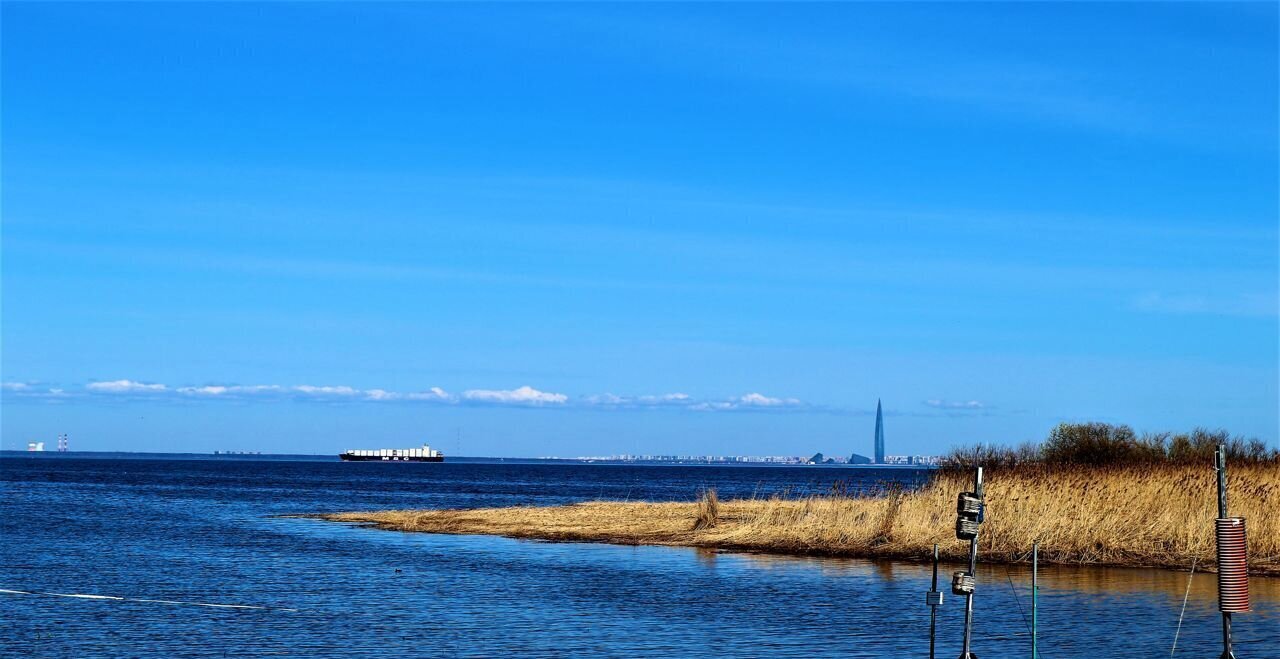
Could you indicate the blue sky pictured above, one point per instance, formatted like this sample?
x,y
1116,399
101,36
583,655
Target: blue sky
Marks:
x,y
594,229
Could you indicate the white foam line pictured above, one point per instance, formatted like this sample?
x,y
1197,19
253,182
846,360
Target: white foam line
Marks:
x,y
149,601
234,606
220,606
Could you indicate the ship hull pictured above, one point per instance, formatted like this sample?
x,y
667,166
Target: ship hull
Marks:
x,y
346,457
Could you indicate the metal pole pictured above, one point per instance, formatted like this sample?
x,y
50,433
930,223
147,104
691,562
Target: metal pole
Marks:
x,y
973,571
934,601
1220,460
1035,569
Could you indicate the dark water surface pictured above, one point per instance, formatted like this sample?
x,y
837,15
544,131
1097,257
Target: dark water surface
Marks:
x,y
189,532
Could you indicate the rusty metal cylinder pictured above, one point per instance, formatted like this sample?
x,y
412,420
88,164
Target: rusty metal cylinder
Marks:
x,y
1233,565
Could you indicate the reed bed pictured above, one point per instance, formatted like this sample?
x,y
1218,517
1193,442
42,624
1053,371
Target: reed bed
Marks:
x,y
1132,515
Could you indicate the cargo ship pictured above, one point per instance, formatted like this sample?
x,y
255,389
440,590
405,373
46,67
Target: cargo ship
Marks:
x,y
424,454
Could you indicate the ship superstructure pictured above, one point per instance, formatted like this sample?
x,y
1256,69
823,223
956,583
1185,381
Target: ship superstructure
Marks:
x,y
423,454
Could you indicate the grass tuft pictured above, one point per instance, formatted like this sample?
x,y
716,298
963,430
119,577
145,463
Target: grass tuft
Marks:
x,y
708,510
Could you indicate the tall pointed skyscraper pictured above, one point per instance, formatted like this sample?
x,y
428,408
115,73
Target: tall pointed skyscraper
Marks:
x,y
879,434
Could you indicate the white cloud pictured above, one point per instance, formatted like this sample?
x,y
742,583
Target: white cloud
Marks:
x,y
15,386
435,394
125,387
525,395
230,390
955,404
760,400
212,390
257,389
326,391
751,401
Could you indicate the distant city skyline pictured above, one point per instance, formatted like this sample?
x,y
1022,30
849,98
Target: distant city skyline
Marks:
x,y
669,229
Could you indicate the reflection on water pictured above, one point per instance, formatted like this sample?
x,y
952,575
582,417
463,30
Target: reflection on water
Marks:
x,y
1104,580
1133,612
202,532
706,556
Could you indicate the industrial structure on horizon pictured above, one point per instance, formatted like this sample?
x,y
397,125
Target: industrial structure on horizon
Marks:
x,y
880,457
879,433
38,447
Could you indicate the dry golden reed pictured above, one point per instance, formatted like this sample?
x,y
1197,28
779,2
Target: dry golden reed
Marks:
x,y
708,511
1130,515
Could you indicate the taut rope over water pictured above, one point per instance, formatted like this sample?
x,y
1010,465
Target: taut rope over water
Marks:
x,y
1184,606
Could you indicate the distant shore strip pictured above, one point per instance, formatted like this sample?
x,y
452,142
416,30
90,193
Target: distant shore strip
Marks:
x,y
1131,516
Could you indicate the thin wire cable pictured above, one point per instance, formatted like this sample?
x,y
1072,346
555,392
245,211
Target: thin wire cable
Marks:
x,y
1184,605
1017,600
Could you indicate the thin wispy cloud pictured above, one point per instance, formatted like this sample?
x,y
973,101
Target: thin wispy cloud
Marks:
x,y
941,404
664,399
1237,304
661,400
32,390
751,401
994,80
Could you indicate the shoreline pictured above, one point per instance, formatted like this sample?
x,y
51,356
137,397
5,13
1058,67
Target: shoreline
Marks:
x,y
1140,517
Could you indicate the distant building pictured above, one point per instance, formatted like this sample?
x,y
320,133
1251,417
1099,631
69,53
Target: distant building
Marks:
x,y
679,459
913,460
35,446
879,433
856,459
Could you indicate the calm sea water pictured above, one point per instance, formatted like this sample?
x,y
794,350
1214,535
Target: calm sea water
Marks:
x,y
187,533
